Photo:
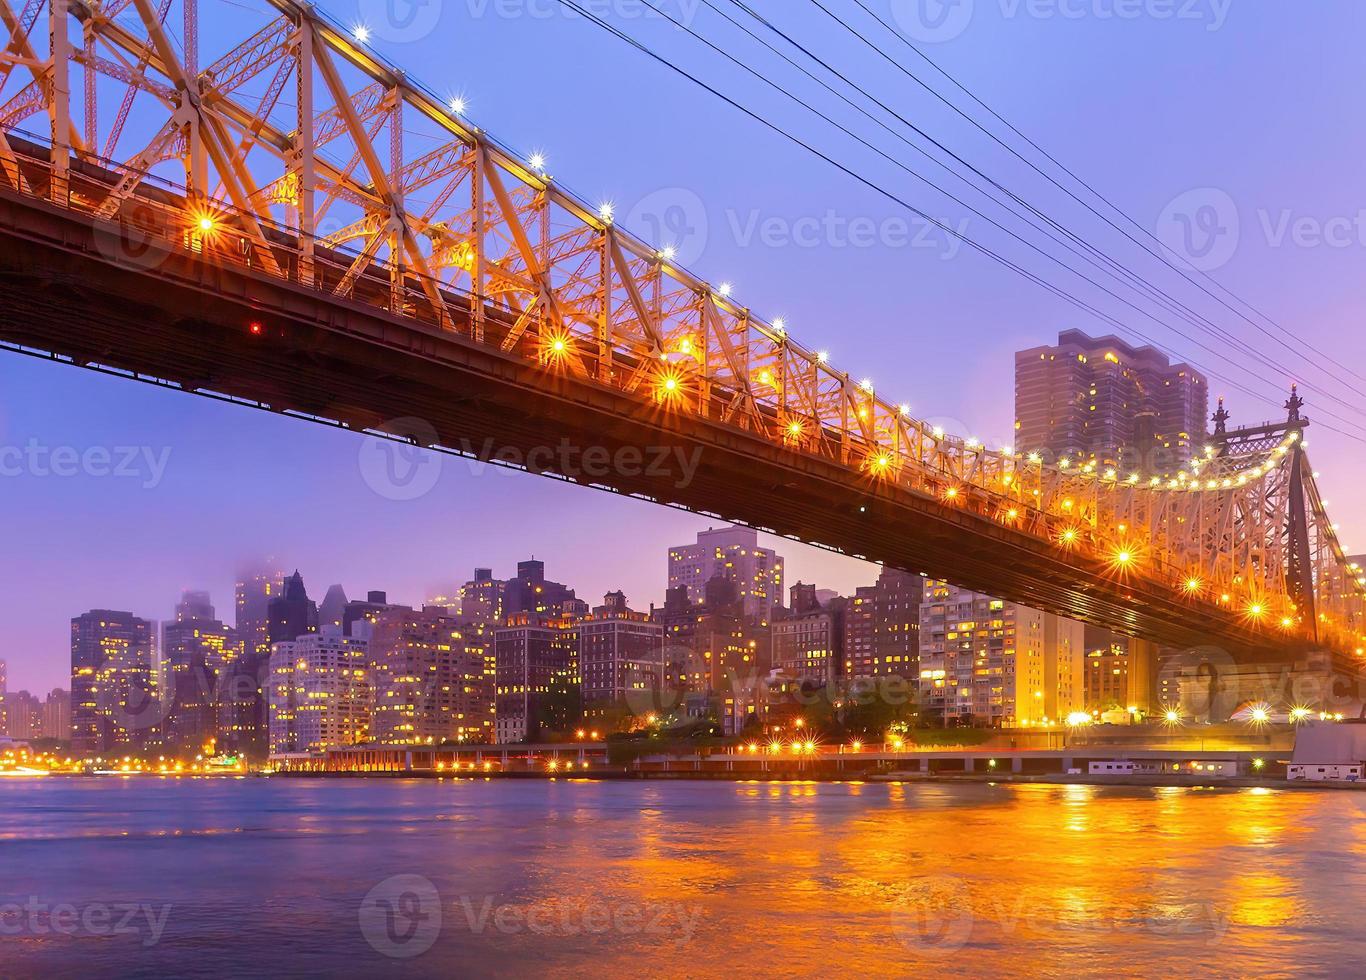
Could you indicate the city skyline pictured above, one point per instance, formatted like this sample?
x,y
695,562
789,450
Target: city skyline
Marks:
x,y
246,483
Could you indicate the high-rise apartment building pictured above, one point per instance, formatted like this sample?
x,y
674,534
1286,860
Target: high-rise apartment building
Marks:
x,y
733,553
256,587
1098,397
113,686
537,676
195,650
621,654
482,599
882,627
430,682
22,716
991,663
319,692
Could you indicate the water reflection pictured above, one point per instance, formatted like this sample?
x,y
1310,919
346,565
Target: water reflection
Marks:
x,y
697,879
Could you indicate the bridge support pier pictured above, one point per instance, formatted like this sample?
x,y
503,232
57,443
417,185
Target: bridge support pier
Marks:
x,y
1142,674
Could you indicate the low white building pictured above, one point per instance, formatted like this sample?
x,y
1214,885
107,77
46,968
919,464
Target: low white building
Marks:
x,y
1329,751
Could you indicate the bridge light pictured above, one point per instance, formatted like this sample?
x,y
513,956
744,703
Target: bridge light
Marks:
x,y
1077,719
1069,535
255,327
668,252
951,493
780,325
1012,514
1255,610
537,161
1064,463
1124,557
1172,717
794,428
823,357
1035,458
1260,715
1287,622
457,106
938,432
867,385
361,33
605,211
856,745
724,290
883,461
904,409
1192,584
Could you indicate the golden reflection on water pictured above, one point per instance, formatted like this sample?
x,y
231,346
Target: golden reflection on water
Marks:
x,y
796,878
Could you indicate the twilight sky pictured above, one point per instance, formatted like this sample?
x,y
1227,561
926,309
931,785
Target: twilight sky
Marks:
x,y
1191,115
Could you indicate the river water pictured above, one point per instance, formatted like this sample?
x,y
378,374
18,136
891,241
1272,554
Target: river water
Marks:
x,y
156,877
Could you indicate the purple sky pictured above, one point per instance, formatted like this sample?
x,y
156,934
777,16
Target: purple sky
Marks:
x,y
1254,109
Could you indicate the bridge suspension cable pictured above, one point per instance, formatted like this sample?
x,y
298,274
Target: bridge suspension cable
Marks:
x,y
1299,345
946,228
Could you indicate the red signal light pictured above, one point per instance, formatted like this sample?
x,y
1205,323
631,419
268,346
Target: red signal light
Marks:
x,y
256,327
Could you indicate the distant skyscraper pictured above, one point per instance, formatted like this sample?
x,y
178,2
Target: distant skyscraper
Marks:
x,y
482,599
23,716
366,610
332,612
293,613
537,676
531,591
57,715
621,652
318,691
431,682
1128,407
256,587
195,650
113,687
882,627
734,554
991,663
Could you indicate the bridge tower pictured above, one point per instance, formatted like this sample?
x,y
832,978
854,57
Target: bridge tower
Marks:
x,y
1299,527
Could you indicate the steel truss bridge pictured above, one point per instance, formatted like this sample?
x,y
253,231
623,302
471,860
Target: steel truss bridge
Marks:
x,y
291,222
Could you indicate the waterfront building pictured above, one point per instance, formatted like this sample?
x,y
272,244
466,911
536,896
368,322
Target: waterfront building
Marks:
x,y
882,627
1103,399
113,685
431,682
990,663
621,656
732,553
319,694
537,676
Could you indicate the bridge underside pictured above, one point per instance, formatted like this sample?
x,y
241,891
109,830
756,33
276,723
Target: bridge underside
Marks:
x,y
189,322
